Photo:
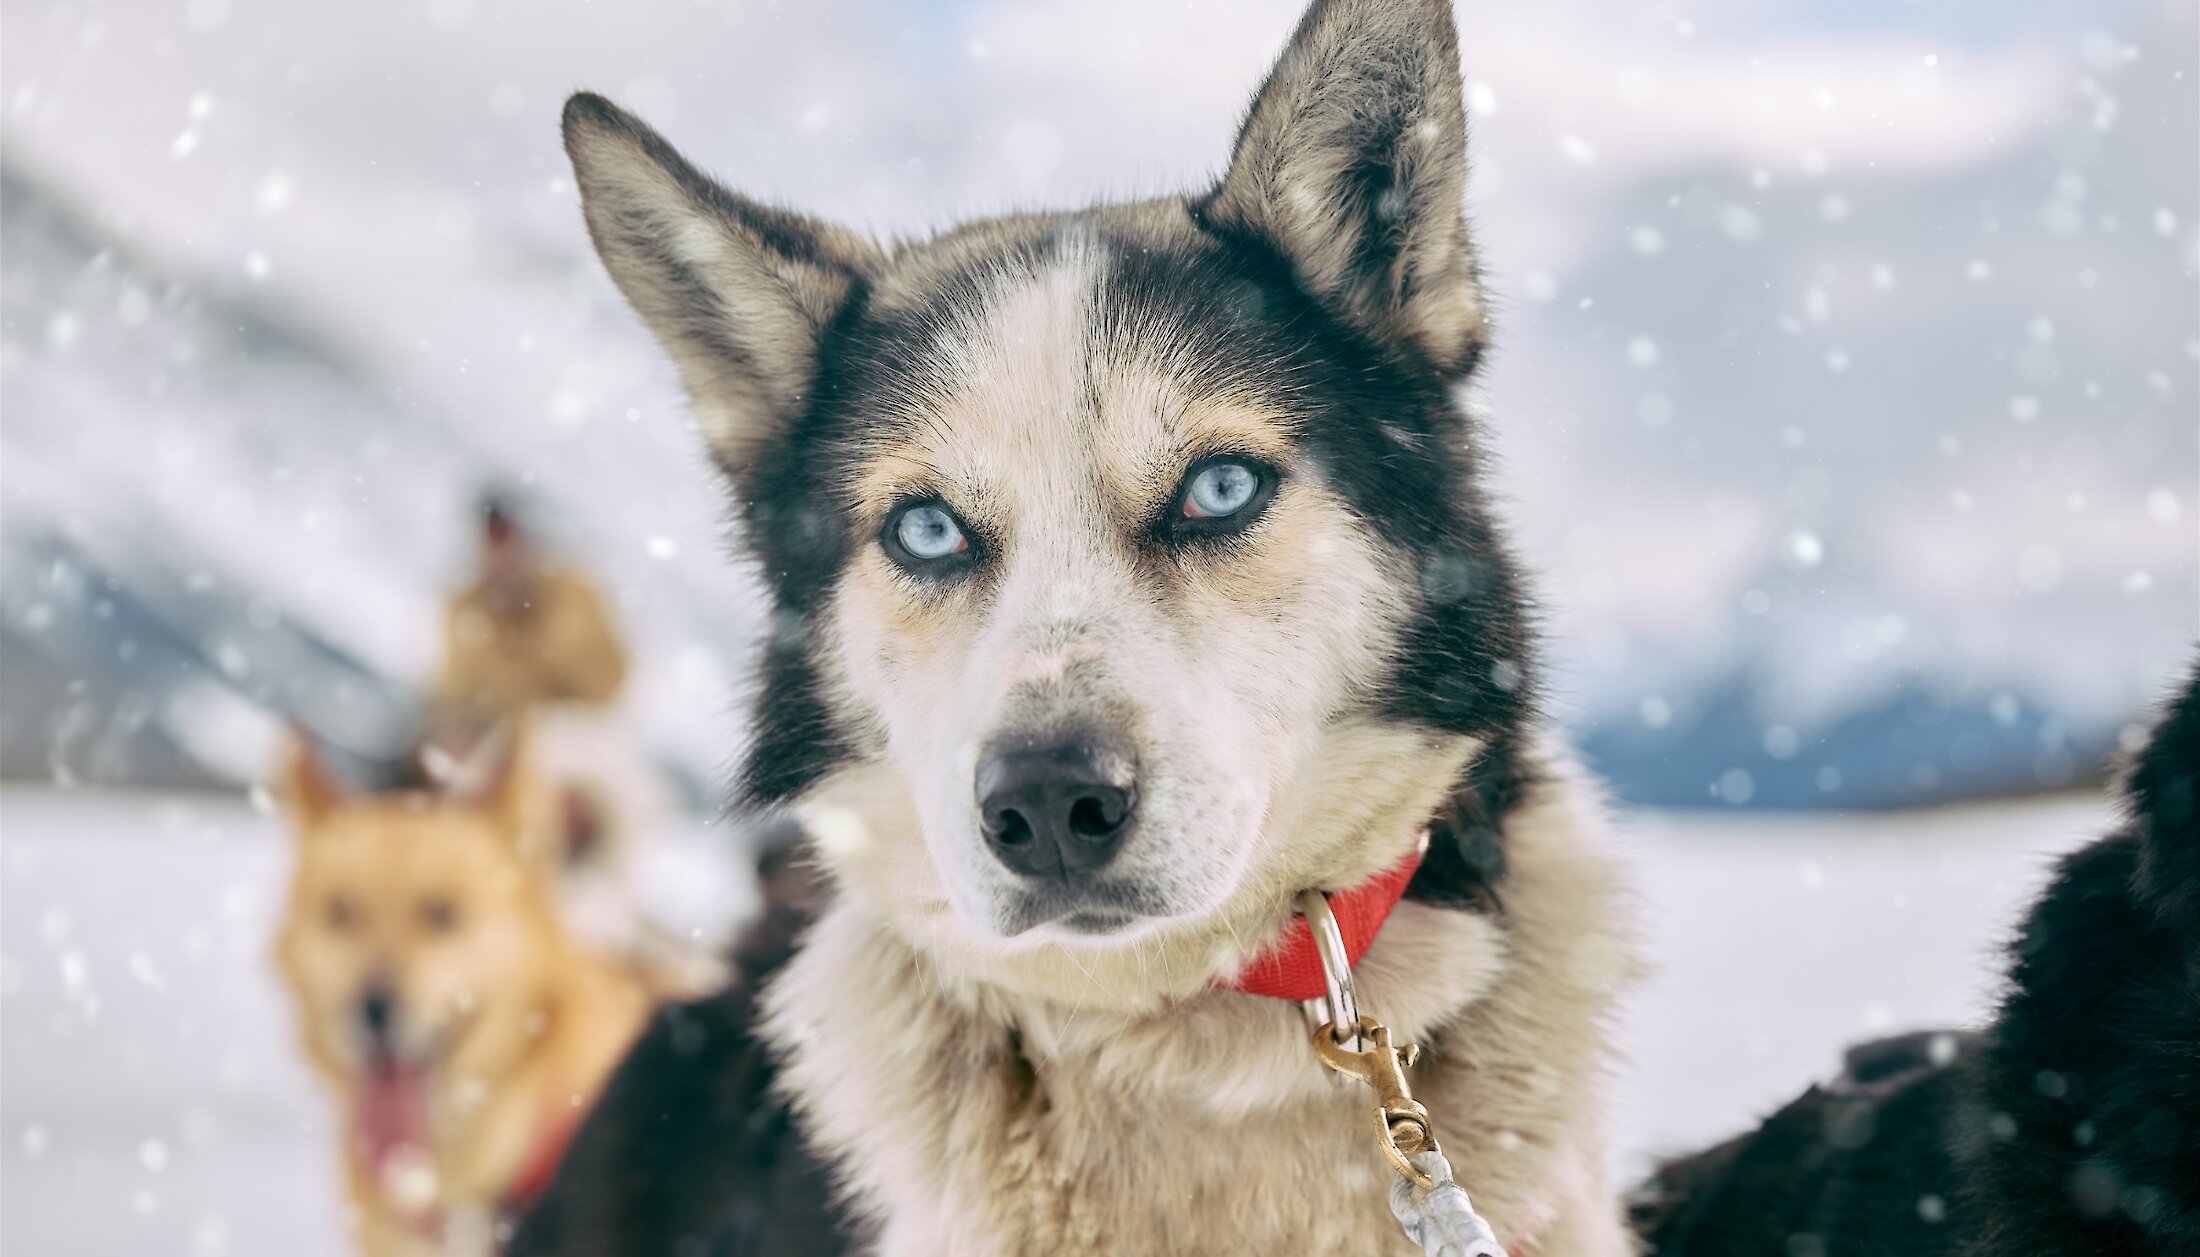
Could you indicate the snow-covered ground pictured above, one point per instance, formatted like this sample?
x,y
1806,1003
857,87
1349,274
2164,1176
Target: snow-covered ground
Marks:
x,y
152,1101
1774,939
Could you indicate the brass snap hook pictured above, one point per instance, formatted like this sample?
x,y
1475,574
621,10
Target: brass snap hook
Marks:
x,y
1402,1125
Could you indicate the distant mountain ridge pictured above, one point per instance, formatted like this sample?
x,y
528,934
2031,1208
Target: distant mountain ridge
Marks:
x,y
218,520
1919,742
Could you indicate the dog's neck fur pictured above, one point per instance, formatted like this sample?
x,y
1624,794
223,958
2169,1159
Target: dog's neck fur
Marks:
x,y
495,1098
1116,1109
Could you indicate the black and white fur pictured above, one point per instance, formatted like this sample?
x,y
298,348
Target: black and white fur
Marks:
x,y
1000,1066
2069,1127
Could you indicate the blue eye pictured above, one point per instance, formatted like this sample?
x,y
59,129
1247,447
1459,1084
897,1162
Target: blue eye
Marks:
x,y
927,532
1220,490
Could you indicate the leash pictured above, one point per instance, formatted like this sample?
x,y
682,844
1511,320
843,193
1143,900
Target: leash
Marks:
x,y
1430,1206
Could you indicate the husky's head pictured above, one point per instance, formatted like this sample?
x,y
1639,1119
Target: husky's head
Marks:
x,y
1128,561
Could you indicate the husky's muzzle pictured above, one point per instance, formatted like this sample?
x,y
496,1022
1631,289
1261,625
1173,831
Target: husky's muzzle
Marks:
x,y
1055,811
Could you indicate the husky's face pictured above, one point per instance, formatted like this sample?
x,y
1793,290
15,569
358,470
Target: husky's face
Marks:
x,y
1100,596
1094,530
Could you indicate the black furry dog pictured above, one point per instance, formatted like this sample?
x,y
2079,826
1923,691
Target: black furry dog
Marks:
x,y
688,1153
2069,1126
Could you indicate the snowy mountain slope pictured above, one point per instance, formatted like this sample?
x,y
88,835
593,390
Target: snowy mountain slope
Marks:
x,y
142,674
273,519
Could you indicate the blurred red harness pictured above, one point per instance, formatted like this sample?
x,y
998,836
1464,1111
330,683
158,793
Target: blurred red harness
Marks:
x,y
534,1178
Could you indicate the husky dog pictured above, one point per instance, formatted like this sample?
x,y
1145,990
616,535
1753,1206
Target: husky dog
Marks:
x,y
2070,1125
1132,573
442,1000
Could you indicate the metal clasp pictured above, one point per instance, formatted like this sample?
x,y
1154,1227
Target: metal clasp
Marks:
x,y
1402,1125
1342,1008
1360,1047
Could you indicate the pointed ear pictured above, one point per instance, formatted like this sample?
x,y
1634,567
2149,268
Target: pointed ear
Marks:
x,y
304,787
1352,163
495,776
738,293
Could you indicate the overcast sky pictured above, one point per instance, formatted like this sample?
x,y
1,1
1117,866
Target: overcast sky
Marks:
x,y
1861,333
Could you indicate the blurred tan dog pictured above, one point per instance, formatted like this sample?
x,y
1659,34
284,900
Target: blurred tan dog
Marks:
x,y
461,1027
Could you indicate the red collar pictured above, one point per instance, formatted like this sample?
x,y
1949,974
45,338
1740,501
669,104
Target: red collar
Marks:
x,y
1291,969
542,1166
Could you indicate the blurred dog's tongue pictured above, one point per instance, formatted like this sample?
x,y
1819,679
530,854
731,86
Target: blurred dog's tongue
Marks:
x,y
392,1113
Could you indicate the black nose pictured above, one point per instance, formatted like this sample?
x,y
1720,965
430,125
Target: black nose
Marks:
x,y
378,1013
1056,810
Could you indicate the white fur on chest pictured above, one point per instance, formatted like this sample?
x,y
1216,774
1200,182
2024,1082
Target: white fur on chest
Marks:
x,y
969,1121
966,1133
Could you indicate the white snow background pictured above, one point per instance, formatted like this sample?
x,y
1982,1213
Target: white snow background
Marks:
x,y
1845,345
154,1103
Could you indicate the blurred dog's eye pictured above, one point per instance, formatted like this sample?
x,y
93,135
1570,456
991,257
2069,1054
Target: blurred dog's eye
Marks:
x,y
342,913
439,914
922,533
1221,495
